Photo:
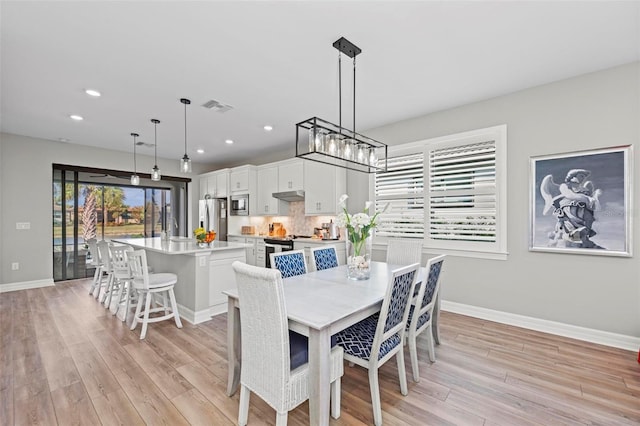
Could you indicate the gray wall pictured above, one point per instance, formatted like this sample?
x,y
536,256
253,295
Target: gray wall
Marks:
x,y
25,196
592,111
586,112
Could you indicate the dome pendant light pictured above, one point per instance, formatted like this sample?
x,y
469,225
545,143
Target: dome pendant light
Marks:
x,y
185,162
155,172
135,179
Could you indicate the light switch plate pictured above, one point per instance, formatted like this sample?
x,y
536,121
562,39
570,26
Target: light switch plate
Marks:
x,y
23,225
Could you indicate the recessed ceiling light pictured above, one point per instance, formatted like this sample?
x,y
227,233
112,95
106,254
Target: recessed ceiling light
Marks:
x,y
228,141
76,117
63,139
200,151
267,128
92,92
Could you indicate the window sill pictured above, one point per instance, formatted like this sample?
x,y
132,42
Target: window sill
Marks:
x,y
459,253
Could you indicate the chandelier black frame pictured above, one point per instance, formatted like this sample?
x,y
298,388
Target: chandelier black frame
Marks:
x,y
322,141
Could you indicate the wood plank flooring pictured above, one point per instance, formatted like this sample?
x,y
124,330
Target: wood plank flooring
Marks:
x,y
66,360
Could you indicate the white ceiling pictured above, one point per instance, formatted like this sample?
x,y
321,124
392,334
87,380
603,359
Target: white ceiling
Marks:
x,y
275,64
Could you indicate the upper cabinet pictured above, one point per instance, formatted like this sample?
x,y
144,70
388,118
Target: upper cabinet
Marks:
x,y
290,175
267,185
214,184
240,179
324,184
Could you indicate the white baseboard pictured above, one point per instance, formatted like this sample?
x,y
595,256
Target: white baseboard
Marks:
x,y
606,338
218,309
24,285
194,317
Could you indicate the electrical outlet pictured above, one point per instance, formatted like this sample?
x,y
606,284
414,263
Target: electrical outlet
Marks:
x,y
15,266
203,261
23,225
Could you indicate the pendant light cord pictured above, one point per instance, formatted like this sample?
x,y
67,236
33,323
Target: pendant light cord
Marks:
x,y
185,128
155,143
340,91
354,96
134,155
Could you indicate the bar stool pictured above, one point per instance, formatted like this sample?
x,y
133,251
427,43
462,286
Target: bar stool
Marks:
x,y
146,285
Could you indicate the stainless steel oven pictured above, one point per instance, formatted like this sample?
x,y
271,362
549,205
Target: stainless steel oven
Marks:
x,y
275,245
239,205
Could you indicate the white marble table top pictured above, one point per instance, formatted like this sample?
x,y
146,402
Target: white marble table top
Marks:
x,y
182,246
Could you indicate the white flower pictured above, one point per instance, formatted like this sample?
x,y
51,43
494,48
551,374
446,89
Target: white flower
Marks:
x,y
342,202
341,220
360,219
367,205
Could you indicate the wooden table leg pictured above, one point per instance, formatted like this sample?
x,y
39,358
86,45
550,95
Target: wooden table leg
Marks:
x,y
319,376
233,346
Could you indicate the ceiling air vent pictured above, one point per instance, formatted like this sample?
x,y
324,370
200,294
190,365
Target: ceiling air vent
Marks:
x,y
217,106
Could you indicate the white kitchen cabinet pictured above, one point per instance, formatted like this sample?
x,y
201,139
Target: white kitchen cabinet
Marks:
x,y
251,251
323,185
341,250
290,175
214,184
267,178
239,179
260,252
225,279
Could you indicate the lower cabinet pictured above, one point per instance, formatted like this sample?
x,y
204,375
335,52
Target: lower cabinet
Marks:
x,y
341,250
251,251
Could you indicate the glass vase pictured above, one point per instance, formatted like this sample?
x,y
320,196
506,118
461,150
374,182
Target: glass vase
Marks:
x,y
359,259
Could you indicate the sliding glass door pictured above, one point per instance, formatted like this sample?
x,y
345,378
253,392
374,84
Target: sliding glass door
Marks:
x,y
104,208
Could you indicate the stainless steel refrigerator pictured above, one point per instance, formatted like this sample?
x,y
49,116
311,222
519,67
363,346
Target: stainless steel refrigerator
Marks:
x,y
213,216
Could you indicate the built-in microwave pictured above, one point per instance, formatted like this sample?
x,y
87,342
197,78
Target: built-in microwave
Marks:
x,y
239,205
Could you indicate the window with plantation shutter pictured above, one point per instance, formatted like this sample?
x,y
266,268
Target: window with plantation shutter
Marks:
x,y
452,194
402,188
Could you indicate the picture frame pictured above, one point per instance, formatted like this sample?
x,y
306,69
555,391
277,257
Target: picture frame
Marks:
x,y
580,202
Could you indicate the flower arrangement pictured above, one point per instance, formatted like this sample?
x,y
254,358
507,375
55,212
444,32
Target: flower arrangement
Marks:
x,y
203,236
359,227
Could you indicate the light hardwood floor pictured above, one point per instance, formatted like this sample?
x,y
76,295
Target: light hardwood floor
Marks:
x,y
65,360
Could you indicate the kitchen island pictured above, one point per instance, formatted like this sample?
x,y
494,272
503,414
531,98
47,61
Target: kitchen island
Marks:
x,y
203,273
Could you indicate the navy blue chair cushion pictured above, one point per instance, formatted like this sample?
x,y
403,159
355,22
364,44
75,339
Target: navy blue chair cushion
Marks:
x,y
299,349
358,339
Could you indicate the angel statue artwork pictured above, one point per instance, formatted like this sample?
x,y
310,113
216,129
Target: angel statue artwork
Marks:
x,y
573,203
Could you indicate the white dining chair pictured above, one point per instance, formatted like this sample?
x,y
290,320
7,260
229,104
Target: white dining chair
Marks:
x,y
267,352
376,339
404,251
323,257
146,285
421,314
289,263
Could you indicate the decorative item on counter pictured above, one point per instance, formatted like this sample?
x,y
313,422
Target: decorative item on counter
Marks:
x,y
248,230
203,237
359,227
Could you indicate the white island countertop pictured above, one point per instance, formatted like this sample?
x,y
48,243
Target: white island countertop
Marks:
x,y
179,245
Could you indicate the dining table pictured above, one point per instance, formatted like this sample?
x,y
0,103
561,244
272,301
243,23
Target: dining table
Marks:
x,y
319,304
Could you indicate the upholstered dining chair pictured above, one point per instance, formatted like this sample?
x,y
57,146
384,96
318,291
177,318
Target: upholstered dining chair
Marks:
x,y
268,369
147,285
289,263
404,251
421,313
376,339
323,257
95,263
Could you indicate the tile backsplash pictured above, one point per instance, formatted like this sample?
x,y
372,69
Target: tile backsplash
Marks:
x,y
296,223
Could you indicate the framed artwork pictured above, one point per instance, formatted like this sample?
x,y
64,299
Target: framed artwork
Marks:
x,y
580,202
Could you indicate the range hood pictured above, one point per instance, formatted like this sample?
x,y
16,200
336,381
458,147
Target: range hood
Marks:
x,y
289,195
